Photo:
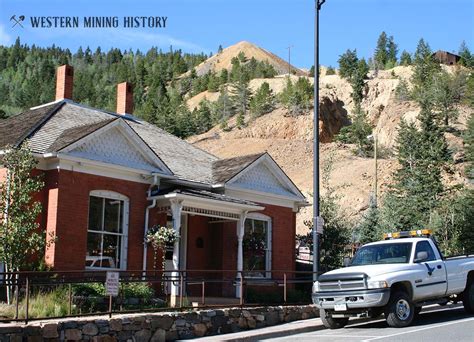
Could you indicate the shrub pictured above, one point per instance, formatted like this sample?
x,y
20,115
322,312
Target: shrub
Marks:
x,y
330,71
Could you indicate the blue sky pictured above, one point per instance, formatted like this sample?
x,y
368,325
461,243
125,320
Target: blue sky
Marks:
x,y
201,25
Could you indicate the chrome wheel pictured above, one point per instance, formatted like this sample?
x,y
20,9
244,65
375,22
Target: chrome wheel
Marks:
x,y
403,309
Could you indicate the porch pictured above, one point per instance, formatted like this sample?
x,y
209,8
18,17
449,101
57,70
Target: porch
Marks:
x,y
211,228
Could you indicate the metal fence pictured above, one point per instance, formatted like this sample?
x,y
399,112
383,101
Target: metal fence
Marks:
x,y
197,288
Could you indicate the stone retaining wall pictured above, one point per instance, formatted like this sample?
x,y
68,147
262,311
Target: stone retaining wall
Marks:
x,y
156,326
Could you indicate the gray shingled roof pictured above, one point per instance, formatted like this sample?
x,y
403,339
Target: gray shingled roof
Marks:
x,y
65,122
15,129
74,134
225,169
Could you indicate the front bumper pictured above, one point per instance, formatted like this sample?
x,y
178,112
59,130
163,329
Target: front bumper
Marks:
x,y
357,299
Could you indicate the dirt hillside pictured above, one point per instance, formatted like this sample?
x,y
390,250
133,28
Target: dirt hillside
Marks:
x,y
223,59
289,139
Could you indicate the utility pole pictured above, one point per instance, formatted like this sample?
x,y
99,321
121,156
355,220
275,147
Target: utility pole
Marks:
x,y
375,171
316,218
373,137
289,59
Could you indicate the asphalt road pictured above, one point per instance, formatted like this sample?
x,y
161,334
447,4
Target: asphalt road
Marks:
x,y
434,324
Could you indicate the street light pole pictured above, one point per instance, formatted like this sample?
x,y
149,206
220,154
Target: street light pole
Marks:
x,y
318,4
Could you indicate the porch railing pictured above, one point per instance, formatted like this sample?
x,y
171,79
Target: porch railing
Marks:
x,y
27,285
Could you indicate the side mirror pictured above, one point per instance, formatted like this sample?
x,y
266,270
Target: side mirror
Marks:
x,y
347,261
421,256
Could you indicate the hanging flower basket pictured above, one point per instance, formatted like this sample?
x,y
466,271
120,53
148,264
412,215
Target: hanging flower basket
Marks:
x,y
160,237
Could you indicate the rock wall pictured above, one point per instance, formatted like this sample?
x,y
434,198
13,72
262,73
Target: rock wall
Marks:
x,y
156,326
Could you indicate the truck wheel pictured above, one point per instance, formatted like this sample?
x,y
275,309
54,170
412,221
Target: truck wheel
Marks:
x,y
468,298
400,311
332,323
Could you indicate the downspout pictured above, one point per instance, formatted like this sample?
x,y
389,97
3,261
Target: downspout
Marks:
x,y
147,219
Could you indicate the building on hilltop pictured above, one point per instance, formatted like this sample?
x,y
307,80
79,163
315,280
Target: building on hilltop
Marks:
x,y
445,57
109,177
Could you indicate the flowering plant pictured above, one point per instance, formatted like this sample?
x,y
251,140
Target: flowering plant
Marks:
x,y
160,237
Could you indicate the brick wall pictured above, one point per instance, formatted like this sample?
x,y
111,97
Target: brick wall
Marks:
x,y
69,198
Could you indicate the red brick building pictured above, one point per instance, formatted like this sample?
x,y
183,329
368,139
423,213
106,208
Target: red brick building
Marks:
x,y
109,177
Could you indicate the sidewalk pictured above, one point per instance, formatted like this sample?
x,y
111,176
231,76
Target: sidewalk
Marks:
x,y
295,327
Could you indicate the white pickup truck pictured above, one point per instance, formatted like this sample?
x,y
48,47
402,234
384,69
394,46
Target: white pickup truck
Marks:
x,y
396,277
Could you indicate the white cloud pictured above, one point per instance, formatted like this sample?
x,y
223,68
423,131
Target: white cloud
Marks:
x,y
5,38
117,37
157,39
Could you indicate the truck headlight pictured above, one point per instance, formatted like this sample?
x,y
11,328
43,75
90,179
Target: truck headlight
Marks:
x,y
316,286
377,284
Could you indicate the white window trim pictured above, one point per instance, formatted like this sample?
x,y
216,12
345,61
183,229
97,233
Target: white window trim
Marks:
x,y
126,212
268,251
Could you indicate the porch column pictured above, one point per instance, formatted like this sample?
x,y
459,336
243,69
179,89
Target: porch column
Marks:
x,y
176,209
240,250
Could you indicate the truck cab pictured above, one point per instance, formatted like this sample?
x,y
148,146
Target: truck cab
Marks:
x,y
396,276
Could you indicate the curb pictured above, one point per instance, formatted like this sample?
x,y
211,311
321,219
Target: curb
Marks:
x,y
281,330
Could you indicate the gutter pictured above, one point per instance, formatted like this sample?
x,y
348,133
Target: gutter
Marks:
x,y
156,181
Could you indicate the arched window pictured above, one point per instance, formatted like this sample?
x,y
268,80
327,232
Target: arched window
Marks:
x,y
257,245
107,231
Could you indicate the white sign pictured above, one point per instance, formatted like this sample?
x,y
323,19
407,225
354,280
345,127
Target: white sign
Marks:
x,y
319,225
112,284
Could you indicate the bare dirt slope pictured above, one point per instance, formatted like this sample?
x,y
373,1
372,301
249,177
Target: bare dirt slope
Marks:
x,y
223,60
289,139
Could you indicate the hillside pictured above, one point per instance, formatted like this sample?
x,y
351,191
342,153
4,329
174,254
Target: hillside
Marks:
x,y
289,139
223,60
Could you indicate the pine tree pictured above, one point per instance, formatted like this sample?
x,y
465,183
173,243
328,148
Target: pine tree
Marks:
x,y
240,96
392,51
425,67
240,122
263,101
381,56
402,93
297,98
348,64
368,229
358,81
357,133
422,154
467,59
405,58
447,91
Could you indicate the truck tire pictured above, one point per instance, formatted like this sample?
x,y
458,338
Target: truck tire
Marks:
x,y
399,311
468,298
332,323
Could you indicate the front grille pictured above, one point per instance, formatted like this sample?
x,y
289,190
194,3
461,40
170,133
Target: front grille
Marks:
x,y
331,283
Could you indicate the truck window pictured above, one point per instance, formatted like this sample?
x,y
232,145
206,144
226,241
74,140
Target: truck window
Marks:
x,y
424,246
386,253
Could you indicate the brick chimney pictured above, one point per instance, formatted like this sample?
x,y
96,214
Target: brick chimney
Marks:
x,y
124,98
64,82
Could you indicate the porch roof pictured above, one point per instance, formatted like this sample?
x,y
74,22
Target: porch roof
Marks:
x,y
207,200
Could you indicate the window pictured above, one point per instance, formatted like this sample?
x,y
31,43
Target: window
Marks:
x,y
257,246
424,246
384,253
107,230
